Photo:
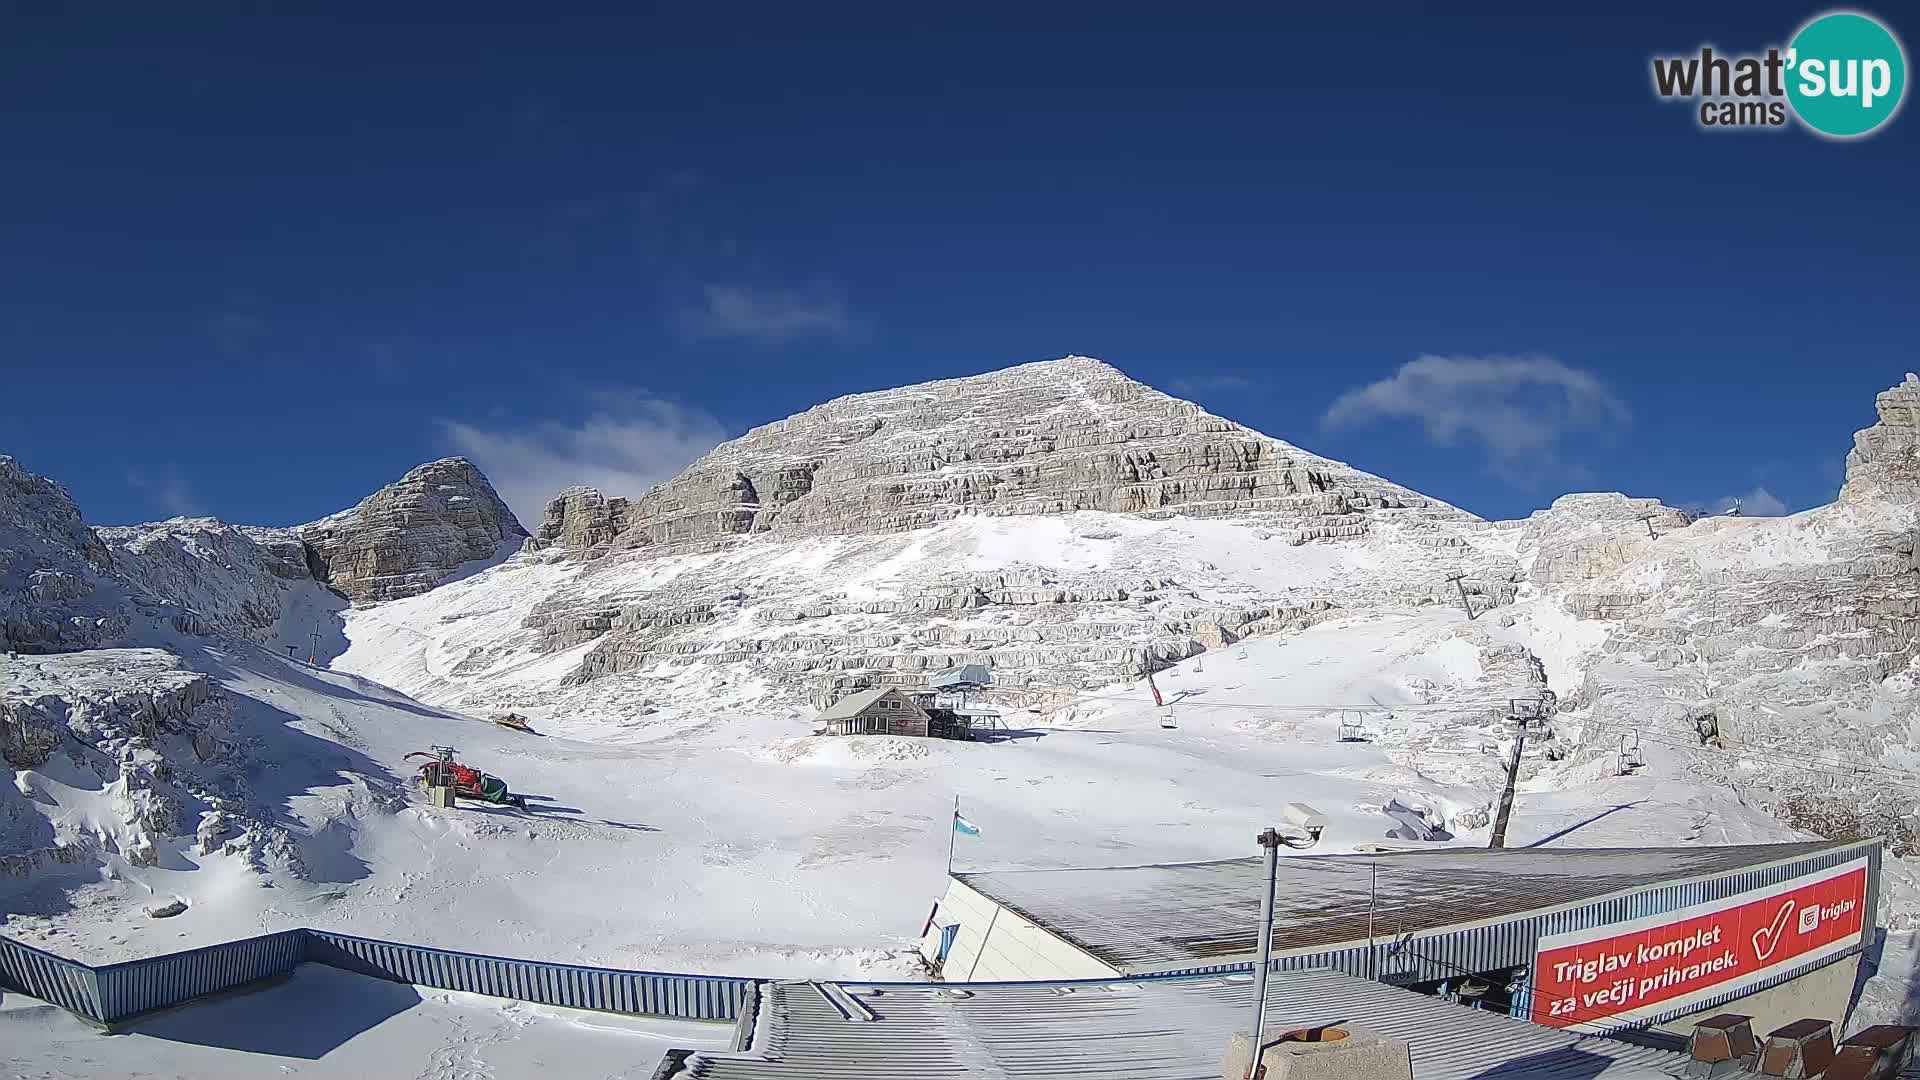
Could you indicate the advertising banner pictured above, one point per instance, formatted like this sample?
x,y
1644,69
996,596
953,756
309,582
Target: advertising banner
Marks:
x,y
1607,976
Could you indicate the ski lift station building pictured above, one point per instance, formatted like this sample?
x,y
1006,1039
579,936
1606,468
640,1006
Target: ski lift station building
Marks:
x,y
1594,939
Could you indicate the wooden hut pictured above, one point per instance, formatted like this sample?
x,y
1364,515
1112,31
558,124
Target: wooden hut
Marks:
x,y
880,711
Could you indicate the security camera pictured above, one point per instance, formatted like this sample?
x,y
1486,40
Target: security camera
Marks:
x,y
1305,820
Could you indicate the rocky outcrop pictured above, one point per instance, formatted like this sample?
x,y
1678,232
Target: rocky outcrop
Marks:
x,y
113,711
1044,438
1585,536
1884,464
56,588
413,534
581,521
283,553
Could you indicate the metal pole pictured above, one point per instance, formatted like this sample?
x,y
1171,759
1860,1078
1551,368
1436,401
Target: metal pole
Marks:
x,y
1459,582
953,826
1373,893
1271,841
1506,796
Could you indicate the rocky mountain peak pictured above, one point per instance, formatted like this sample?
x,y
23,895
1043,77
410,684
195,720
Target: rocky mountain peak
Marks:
x,y
1885,461
412,534
1043,438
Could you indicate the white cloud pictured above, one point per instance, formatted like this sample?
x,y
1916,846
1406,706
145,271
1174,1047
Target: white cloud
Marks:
x,y
768,316
631,442
1756,503
167,487
1518,408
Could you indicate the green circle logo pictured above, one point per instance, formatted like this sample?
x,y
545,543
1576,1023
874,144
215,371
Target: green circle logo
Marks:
x,y
1845,74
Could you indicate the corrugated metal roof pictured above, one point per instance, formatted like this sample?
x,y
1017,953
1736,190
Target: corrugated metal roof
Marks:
x,y
965,675
849,707
1163,1029
1184,915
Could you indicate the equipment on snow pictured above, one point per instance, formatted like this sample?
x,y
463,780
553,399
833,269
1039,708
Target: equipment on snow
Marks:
x,y
513,720
468,783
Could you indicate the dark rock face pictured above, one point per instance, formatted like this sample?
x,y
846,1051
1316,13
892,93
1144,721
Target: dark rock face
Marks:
x,y
410,535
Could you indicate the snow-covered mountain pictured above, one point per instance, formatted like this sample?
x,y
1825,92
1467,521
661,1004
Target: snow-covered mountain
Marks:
x,y
1058,522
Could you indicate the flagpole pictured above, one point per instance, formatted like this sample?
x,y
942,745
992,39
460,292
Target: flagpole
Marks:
x,y
953,826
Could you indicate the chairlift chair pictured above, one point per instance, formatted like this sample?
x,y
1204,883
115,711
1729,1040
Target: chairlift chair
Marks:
x,y
1167,721
1350,726
1631,757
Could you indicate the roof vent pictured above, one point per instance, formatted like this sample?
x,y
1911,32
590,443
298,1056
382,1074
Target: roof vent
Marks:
x,y
1876,1053
848,1006
1320,1053
1720,1045
1798,1051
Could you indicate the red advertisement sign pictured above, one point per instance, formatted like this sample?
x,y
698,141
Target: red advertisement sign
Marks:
x,y
1611,975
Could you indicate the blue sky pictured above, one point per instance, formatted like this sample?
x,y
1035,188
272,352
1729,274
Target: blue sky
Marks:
x,y
257,263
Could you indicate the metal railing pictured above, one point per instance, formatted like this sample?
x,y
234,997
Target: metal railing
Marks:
x,y
112,993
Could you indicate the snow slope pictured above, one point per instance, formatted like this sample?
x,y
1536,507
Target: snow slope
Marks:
x,y
745,847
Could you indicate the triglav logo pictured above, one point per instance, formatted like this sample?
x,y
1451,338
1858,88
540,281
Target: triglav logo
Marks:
x,y
1843,75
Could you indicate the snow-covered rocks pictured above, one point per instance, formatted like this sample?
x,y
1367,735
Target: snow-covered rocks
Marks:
x,y
167,909
1056,521
55,589
412,534
116,720
222,574
1584,536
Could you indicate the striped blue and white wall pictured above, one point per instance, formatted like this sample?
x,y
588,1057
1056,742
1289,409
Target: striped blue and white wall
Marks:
x,y
116,992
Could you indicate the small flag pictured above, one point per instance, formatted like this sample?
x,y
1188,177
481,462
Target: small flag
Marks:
x,y
961,824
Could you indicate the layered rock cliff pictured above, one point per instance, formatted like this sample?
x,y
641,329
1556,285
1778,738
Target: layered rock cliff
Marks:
x,y
414,533
1884,464
1045,438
